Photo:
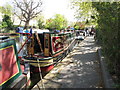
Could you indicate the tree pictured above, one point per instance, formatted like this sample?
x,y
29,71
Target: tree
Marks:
x,y
7,23
7,13
49,24
79,25
40,22
27,10
6,10
58,22
108,33
84,11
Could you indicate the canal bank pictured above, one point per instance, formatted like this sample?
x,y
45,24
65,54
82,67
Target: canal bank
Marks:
x,y
80,69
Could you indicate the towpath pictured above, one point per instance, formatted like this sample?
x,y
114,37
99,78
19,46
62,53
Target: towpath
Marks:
x,y
80,69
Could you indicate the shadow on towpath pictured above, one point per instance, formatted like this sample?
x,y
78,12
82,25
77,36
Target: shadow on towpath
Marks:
x,y
80,69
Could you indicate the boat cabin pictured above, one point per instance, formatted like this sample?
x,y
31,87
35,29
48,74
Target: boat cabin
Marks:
x,y
12,73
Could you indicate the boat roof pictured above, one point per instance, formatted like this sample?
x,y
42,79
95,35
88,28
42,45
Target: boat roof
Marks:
x,y
40,30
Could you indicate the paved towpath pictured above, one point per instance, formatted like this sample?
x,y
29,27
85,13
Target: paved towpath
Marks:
x,y
80,69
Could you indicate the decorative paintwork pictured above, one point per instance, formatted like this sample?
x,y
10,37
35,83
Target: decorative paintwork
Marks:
x,y
10,66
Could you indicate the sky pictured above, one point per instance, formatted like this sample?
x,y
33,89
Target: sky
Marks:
x,y
52,7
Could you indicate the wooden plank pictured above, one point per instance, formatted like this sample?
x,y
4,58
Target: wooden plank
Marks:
x,y
39,42
46,45
30,46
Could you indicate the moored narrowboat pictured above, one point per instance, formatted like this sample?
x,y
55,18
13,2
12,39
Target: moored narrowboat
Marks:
x,y
45,50
25,53
12,73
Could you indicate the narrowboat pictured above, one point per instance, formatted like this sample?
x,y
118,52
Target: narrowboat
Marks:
x,y
80,34
13,73
23,53
45,50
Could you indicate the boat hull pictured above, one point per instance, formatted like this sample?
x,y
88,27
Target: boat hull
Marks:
x,y
46,64
11,75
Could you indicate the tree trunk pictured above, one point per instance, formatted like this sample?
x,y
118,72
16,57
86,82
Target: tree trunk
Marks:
x,y
20,22
26,24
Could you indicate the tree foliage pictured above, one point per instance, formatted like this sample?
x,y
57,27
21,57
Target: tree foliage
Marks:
x,y
7,12
7,23
79,25
6,9
58,22
84,11
26,10
41,22
108,32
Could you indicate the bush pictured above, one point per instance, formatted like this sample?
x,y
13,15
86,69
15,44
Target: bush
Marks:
x,y
108,33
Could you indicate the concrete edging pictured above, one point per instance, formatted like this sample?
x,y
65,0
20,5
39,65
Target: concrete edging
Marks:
x,y
107,78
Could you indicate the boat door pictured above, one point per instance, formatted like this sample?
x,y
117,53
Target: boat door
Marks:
x,y
46,44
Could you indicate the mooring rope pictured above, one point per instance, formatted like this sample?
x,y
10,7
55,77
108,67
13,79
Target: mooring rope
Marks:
x,y
40,75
